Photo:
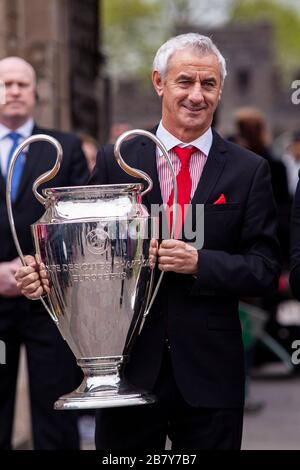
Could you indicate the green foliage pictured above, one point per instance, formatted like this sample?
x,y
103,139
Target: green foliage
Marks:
x,y
286,23
132,33
126,12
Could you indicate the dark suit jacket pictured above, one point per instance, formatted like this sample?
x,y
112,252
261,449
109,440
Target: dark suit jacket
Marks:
x,y
26,209
240,257
295,245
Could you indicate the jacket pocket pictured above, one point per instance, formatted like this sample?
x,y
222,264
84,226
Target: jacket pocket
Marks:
x,y
229,206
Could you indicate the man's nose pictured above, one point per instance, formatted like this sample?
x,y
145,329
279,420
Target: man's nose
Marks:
x,y
14,89
196,94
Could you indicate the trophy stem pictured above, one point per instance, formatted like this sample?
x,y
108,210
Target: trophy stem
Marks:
x,y
102,387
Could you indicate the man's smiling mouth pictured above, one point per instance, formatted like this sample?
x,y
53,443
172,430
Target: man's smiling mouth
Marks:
x,y
194,109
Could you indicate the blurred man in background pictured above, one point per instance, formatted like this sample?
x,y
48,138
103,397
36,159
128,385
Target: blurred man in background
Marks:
x,y
90,148
291,160
51,366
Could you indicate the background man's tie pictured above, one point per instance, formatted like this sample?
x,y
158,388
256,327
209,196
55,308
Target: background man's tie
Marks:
x,y
184,183
15,138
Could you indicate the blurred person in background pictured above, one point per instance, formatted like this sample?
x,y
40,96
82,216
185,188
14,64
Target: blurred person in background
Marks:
x,y
294,161
189,353
118,128
291,160
295,245
51,365
90,148
252,129
252,132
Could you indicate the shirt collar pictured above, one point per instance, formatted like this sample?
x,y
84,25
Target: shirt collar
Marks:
x,y
25,130
203,143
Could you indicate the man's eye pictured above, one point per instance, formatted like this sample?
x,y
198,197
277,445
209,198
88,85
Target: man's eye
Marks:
x,y
208,84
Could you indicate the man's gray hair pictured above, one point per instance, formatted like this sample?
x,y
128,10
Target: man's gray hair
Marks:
x,y
200,43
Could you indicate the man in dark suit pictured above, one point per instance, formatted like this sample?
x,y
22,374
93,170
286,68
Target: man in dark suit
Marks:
x,y
189,352
51,365
295,245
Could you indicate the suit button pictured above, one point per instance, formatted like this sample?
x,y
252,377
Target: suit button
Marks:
x,y
167,343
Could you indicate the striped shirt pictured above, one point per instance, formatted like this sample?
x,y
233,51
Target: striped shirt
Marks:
x,y
197,162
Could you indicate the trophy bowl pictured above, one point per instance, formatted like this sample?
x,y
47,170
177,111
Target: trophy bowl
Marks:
x,y
94,243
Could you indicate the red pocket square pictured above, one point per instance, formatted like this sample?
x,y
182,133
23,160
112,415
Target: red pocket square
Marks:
x,y
221,200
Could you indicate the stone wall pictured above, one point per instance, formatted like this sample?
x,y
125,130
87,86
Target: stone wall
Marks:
x,y
86,59
60,38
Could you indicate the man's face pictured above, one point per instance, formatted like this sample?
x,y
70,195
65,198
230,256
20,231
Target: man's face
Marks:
x,y
19,81
190,93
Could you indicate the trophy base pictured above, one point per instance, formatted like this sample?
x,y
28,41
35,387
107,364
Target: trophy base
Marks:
x,y
102,388
74,401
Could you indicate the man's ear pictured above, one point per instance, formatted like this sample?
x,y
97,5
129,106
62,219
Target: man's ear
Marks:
x,y
157,83
36,94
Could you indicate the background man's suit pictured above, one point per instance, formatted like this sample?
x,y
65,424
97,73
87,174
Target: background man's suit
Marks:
x,y
200,316
295,245
51,364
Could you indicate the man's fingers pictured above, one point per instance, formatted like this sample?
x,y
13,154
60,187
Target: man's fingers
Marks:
x,y
30,279
35,294
170,252
46,289
165,267
32,287
171,244
44,274
30,260
153,247
166,260
153,243
25,271
46,284
152,261
28,285
153,252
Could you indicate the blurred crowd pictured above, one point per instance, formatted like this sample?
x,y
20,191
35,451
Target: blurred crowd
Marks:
x,y
275,317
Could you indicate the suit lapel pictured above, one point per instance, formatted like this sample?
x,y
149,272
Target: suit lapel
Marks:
x,y
146,161
212,170
31,164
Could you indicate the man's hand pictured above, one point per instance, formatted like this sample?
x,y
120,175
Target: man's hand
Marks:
x,y
32,280
8,285
177,256
153,253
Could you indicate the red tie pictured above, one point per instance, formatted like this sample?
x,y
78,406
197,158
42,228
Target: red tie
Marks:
x,y
184,184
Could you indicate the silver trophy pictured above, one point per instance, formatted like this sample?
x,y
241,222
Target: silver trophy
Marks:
x,y
94,242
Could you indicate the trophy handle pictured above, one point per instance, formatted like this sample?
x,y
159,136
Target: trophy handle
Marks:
x,y
141,174
42,179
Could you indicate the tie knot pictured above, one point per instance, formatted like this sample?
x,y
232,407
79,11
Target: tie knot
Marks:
x,y
184,154
14,136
